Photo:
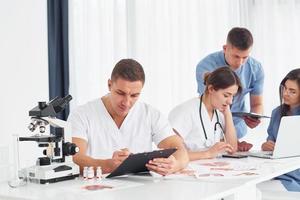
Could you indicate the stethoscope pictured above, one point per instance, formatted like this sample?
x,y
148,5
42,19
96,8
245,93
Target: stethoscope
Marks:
x,y
209,142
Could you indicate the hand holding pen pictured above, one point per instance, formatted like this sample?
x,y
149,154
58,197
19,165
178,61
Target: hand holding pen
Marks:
x,y
118,157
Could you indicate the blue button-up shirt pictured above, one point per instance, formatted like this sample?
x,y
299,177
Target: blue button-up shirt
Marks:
x,y
251,75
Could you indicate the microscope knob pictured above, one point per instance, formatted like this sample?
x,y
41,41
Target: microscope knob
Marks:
x,y
70,149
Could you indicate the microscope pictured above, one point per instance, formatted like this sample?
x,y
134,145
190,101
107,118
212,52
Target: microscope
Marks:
x,y
56,164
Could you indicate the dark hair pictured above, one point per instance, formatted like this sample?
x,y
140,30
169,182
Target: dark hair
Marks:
x,y
128,69
222,78
293,75
240,38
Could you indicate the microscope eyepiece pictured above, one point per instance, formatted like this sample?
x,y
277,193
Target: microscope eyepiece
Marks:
x,y
60,103
51,108
42,105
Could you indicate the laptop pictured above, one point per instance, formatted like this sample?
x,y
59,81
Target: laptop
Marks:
x,y
287,142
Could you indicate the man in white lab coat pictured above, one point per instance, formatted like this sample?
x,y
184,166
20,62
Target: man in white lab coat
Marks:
x,y
109,128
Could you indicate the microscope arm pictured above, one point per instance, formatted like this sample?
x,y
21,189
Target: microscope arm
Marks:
x,y
61,124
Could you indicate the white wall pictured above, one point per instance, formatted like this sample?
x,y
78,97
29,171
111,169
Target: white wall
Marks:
x,y
23,67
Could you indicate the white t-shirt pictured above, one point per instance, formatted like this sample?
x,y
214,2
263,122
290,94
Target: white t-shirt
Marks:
x,y
142,126
185,119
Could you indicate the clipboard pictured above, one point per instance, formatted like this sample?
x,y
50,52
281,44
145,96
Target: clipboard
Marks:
x,y
135,163
249,114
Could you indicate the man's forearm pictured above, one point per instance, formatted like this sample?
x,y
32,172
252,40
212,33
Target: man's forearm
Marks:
x,y
257,109
182,156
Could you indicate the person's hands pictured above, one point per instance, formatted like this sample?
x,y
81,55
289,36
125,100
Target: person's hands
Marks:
x,y
244,146
219,147
163,166
268,146
118,157
251,122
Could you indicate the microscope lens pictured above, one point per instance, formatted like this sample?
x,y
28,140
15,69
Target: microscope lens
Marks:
x,y
31,127
42,129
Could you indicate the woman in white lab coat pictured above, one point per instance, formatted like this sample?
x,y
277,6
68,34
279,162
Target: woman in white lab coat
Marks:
x,y
205,122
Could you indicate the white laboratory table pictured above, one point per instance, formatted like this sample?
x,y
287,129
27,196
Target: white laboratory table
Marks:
x,y
158,188
269,168
146,190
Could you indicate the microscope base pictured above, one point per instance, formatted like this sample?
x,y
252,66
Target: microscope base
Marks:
x,y
52,173
58,179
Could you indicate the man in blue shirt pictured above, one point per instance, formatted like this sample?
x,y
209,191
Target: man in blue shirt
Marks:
x,y
235,54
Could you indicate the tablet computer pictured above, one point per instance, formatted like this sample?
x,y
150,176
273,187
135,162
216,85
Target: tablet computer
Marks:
x,y
135,163
249,114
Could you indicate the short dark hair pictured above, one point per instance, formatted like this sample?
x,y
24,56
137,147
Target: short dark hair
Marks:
x,y
222,78
128,69
240,38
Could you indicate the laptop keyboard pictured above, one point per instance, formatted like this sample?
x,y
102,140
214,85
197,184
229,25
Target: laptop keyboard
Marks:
x,y
262,154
